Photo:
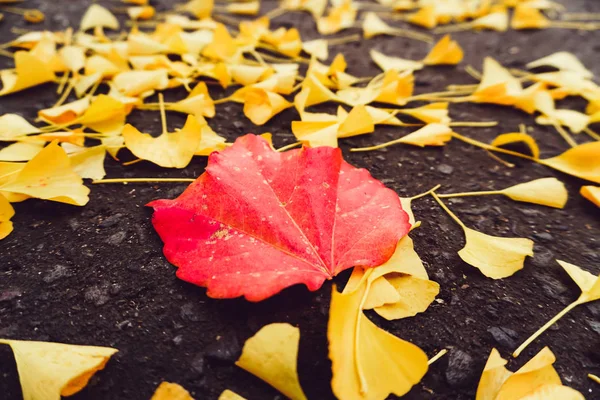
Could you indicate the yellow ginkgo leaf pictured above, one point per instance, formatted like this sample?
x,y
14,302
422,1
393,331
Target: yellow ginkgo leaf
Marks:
x,y
526,17
581,161
49,176
368,362
199,8
13,125
141,12
535,373
564,61
407,207
135,83
545,191
198,102
209,140
430,135
399,64
446,51
51,370
431,113
65,113
548,192
590,291
98,16
316,133
169,150
29,71
222,47
272,355
373,26
493,377
496,257
357,122
21,151
517,137
425,17
574,120
405,274
6,213
171,391
592,193
261,105
340,17
554,391
318,48
229,395
497,84
73,57
317,92
87,162
100,64
105,114
249,74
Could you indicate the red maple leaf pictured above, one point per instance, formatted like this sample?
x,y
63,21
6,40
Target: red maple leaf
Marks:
x,y
257,221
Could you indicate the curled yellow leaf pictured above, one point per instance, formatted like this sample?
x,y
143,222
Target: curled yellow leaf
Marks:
x,y
51,370
171,391
517,137
592,193
581,161
29,71
6,213
272,355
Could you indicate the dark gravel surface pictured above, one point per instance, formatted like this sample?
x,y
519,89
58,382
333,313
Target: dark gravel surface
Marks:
x,y
96,274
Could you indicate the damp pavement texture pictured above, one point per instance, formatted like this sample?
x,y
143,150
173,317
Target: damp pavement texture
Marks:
x,y
96,274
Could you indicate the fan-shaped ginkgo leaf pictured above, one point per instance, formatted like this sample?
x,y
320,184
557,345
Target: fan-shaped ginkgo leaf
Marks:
x,y
564,61
302,216
49,176
105,114
446,51
209,140
88,162
368,362
170,149
496,257
399,64
430,135
581,161
29,71
592,193
13,125
66,113
545,191
229,395
51,370
171,391
493,377
272,355
20,151
554,391
6,213
98,16
260,105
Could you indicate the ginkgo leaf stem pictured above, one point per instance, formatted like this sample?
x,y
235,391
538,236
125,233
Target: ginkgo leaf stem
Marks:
x,y
64,96
548,324
437,356
223,100
145,180
467,194
454,28
565,135
378,146
594,378
482,124
580,16
163,114
412,35
6,53
440,94
448,211
343,39
469,69
63,81
500,160
418,196
137,160
276,12
592,134
289,146
492,148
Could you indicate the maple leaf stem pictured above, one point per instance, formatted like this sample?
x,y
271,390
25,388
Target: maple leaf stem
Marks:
x,y
467,194
594,378
437,356
433,189
163,114
546,326
448,211
565,135
145,180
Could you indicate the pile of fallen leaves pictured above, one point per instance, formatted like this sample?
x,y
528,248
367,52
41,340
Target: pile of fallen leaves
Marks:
x,y
261,219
